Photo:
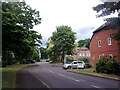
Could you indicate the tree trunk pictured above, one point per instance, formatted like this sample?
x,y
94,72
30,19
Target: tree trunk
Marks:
x,y
62,59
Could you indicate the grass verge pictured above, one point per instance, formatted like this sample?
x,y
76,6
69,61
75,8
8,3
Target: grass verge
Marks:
x,y
9,75
92,72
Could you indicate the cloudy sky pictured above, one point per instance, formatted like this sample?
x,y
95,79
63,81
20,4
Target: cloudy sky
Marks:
x,y
78,14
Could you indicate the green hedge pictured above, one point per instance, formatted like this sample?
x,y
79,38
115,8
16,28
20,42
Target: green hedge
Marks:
x,y
69,59
87,64
106,65
4,63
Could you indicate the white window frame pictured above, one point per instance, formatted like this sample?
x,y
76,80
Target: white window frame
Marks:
x,y
99,43
80,54
83,54
110,55
109,41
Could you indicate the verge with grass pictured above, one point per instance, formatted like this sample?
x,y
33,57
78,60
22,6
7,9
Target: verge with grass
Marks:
x,y
91,71
9,75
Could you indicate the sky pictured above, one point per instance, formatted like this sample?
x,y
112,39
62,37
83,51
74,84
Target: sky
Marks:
x,y
78,14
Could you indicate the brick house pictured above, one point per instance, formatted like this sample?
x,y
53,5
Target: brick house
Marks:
x,y
102,44
80,53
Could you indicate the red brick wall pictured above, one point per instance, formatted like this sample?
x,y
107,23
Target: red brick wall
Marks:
x,y
105,49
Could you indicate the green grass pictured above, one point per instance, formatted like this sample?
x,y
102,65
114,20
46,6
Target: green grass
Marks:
x,y
92,71
9,75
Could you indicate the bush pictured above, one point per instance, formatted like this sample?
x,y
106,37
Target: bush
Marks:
x,y
87,65
106,65
9,61
83,59
117,69
23,61
4,63
69,59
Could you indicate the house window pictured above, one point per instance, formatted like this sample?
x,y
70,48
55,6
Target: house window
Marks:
x,y
99,43
80,54
89,54
83,54
110,56
109,41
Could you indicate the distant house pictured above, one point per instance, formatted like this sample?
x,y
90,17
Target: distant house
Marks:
x,y
82,52
102,44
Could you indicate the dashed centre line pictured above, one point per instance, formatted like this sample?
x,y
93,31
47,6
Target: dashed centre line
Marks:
x,y
95,86
69,77
51,71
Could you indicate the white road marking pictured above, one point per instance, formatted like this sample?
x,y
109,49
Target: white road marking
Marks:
x,y
38,79
77,75
69,78
95,86
51,71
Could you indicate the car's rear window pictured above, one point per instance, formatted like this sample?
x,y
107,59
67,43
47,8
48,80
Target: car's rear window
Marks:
x,y
80,62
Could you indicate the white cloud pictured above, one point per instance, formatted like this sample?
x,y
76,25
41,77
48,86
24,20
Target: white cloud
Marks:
x,y
74,13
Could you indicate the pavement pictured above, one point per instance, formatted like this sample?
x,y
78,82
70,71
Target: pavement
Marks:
x,y
44,75
25,80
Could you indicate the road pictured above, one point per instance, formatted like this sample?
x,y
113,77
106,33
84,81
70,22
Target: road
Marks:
x,y
57,77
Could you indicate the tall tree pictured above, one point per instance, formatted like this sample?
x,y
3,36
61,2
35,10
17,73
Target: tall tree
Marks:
x,y
84,43
107,8
18,20
44,54
63,41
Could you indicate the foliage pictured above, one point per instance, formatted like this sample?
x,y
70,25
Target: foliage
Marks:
x,y
84,43
106,65
116,36
83,59
69,59
4,63
17,21
107,8
44,54
87,64
62,42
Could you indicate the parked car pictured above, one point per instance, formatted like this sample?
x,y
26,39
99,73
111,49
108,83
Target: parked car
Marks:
x,y
74,65
30,61
51,61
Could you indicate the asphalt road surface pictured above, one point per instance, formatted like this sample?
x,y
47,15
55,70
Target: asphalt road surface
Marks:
x,y
57,77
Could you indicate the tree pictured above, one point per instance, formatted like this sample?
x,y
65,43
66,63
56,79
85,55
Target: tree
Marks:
x,y
44,54
108,8
18,37
63,41
84,43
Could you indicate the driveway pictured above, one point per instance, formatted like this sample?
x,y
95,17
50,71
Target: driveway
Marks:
x,y
45,75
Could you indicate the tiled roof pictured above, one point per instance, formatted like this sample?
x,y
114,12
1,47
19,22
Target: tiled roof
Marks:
x,y
109,25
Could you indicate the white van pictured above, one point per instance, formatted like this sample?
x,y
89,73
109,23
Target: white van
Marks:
x,y
74,64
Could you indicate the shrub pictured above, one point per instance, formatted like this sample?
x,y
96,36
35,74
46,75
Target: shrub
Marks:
x,y
106,65
23,61
87,65
69,59
4,63
83,59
